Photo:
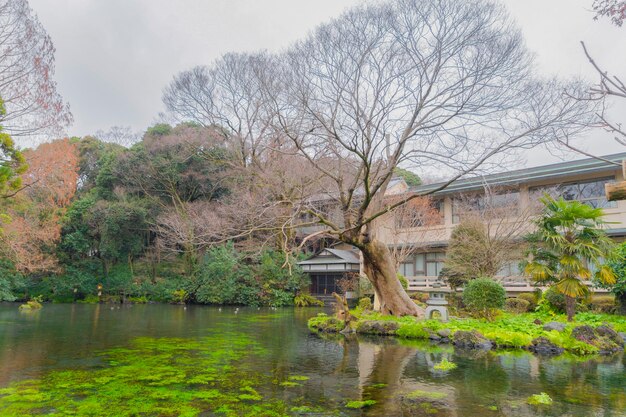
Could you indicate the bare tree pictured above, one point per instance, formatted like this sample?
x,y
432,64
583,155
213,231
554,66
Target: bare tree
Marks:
x,y
613,9
424,83
33,105
411,227
230,95
489,235
120,135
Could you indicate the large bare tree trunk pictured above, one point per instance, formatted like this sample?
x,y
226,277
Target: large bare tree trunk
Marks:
x,y
379,267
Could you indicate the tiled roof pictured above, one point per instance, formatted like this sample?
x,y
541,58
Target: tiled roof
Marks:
x,y
341,256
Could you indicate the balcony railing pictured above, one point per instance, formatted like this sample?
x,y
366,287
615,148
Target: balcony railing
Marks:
x,y
510,284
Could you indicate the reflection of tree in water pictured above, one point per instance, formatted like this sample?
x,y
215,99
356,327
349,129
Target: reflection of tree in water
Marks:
x,y
483,375
390,371
582,384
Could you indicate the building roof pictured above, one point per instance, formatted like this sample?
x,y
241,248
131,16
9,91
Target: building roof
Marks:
x,y
340,256
527,175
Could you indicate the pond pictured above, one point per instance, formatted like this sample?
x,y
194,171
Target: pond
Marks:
x,y
166,360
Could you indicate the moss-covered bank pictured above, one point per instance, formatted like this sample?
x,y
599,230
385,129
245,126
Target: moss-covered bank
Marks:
x,y
547,334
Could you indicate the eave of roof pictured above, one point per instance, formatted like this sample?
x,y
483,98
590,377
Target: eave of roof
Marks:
x,y
528,175
341,257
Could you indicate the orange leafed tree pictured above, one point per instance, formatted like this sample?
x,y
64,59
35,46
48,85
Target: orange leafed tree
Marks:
x,y
31,225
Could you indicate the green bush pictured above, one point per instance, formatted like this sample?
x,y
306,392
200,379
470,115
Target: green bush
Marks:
x,y
306,300
365,304
554,300
516,305
483,297
603,304
226,277
531,298
10,281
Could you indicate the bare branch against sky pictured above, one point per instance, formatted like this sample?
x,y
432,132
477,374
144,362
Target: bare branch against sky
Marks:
x,y
115,58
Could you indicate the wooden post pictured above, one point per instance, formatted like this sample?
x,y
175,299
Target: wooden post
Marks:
x,y
617,190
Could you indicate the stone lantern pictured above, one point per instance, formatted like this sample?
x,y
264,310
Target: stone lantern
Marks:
x,y
437,301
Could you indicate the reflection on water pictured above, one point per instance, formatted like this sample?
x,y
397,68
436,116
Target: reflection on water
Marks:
x,y
398,375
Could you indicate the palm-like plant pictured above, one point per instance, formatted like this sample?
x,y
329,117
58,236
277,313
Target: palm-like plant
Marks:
x,y
567,246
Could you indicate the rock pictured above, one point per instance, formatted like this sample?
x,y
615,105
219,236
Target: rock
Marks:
x,y
380,327
347,330
425,403
584,334
326,324
471,340
434,336
555,325
542,346
444,332
607,340
623,336
609,333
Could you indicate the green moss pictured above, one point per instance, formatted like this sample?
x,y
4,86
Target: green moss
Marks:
x,y
325,323
445,365
427,395
166,376
539,399
298,378
290,384
506,331
360,404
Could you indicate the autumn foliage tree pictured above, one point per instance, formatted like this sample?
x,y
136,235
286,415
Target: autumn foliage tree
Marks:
x,y
32,223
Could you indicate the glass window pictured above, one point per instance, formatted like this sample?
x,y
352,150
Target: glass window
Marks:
x,y
419,213
420,265
589,192
507,201
434,263
510,269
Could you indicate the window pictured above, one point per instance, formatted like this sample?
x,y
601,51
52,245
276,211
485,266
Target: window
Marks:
x,y
434,263
414,265
507,201
589,192
510,269
419,213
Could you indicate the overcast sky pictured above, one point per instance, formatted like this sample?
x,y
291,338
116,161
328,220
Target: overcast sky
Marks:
x,y
115,56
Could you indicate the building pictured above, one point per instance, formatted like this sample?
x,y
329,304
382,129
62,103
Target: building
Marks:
x,y
515,192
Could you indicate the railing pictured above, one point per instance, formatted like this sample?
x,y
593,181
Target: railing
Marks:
x,y
510,284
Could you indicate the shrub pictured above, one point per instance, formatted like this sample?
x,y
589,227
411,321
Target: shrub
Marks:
x,y
365,304
226,277
483,297
306,300
516,305
603,304
10,279
554,300
531,298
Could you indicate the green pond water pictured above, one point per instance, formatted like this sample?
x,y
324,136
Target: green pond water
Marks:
x,y
162,360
